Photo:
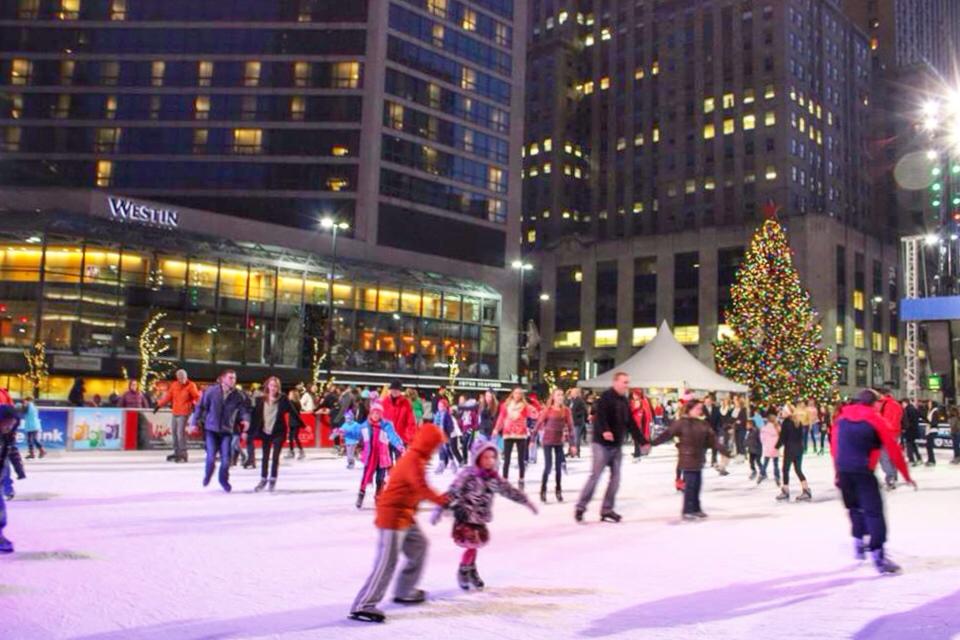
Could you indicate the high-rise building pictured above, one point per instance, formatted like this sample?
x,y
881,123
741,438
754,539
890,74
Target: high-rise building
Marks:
x,y
657,133
245,124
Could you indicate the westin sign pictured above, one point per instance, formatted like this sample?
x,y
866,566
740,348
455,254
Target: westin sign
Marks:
x,y
132,211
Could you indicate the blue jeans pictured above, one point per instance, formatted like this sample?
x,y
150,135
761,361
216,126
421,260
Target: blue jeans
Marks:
x,y
776,467
692,481
6,479
3,515
889,470
222,442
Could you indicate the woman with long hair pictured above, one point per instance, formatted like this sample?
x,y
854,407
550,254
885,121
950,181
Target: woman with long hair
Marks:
x,y
555,426
273,413
305,405
643,416
791,438
512,423
489,411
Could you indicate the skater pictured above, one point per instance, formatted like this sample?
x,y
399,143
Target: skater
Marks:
x,y
815,426
272,413
221,408
754,449
740,417
791,439
695,436
512,423
449,451
8,455
471,501
378,434
398,410
555,427
350,436
580,414
182,395
307,405
955,434
642,416
398,529
133,398
612,420
468,414
935,415
711,412
32,428
912,432
858,436
770,446
892,412
489,411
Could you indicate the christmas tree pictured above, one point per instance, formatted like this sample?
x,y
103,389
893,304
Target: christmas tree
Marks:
x,y
776,345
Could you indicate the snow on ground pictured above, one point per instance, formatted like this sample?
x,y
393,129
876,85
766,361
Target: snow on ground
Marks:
x,y
127,546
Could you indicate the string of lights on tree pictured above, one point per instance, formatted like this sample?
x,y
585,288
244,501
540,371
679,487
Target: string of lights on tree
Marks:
x,y
153,344
37,371
776,347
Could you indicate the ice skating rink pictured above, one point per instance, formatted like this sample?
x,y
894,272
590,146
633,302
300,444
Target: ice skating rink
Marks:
x,y
128,546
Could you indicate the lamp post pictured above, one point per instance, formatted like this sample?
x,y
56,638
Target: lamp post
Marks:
x,y
521,268
333,226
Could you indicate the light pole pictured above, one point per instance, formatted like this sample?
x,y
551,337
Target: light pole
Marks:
x,y
521,268
333,226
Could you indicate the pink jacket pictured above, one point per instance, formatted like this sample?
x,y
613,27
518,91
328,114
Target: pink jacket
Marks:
x,y
512,422
768,440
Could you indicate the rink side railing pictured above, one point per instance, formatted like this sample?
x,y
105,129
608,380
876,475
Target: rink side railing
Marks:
x,y
112,429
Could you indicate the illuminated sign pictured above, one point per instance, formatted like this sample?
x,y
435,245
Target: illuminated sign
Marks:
x,y
133,211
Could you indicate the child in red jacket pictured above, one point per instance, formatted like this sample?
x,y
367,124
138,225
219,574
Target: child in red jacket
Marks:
x,y
398,529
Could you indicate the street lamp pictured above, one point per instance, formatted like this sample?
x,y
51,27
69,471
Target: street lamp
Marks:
x,y
521,267
333,226
544,297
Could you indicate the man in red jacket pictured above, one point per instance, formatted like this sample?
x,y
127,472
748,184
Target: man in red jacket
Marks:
x,y
892,412
398,410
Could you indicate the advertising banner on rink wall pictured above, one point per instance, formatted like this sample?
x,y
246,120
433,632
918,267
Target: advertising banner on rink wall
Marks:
x,y
53,430
155,430
97,428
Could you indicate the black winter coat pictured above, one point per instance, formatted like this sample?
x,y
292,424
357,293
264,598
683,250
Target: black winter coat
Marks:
x,y
612,415
791,438
285,411
9,451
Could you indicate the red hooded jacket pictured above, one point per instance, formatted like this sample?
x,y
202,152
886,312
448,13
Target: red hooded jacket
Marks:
x,y
854,449
892,412
399,411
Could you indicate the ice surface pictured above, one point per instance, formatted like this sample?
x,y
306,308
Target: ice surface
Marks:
x,y
115,546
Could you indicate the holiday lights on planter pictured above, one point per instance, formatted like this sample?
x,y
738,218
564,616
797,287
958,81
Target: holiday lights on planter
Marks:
x,y
37,371
776,347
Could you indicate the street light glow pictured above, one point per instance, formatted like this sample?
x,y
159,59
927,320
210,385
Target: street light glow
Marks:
x,y
544,297
520,265
330,223
931,239
326,223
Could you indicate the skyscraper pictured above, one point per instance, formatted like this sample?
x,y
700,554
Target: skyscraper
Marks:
x,y
399,120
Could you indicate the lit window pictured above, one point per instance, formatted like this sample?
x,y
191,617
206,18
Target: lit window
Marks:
x,y
437,7
247,140
876,341
298,107
345,75
709,184
709,104
771,173
550,23
655,67
548,145
709,131
769,92
204,73
605,33
567,170
748,96
547,167
107,140
69,9
469,22
531,236
301,74
337,184
638,207
690,186
578,276
802,124
858,339
495,179
109,72
874,44
840,335
20,71
729,101
534,149
577,173
604,338
563,17
604,83
655,134
395,115
689,335
588,41
726,331
118,10
16,105
11,139
67,67
770,118
27,9
639,74
468,78
749,122
638,140
621,144
749,178
728,126
858,300
157,69
893,345
251,73
339,150
438,35
588,88
643,335
104,173
110,107
200,137
202,107
566,340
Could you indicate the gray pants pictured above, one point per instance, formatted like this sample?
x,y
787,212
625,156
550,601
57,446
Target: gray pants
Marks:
x,y
603,456
179,426
889,470
351,455
413,544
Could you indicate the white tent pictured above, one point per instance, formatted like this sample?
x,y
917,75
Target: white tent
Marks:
x,y
665,363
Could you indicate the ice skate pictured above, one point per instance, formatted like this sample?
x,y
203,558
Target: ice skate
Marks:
x,y
931,464
610,516
417,596
360,500
302,456
5,545
723,472
272,485
463,577
753,475
883,564
762,477
226,487
475,578
859,550
43,453
206,478
520,484
890,485
172,457
368,615
784,495
543,494
289,455
559,494
578,514
260,486
700,515
805,496
249,464
689,517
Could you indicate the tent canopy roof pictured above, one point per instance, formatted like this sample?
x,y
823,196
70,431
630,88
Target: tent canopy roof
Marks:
x,y
664,362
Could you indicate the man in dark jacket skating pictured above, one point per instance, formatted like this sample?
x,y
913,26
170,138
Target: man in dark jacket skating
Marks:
x,y
612,420
221,409
858,436
8,451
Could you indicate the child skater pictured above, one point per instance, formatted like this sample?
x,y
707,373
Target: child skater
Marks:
x,y
471,500
349,433
769,437
398,529
378,436
8,452
694,436
449,452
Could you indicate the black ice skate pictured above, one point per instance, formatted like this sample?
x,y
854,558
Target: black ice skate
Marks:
x,y
417,596
578,514
559,495
272,485
260,486
784,495
463,577
610,516
172,457
543,494
368,615
475,580
884,565
859,550
360,500
805,496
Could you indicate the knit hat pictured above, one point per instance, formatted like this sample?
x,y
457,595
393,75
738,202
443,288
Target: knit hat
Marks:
x,y
479,447
376,406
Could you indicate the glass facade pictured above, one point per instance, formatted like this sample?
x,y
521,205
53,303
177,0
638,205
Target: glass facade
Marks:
x,y
94,298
